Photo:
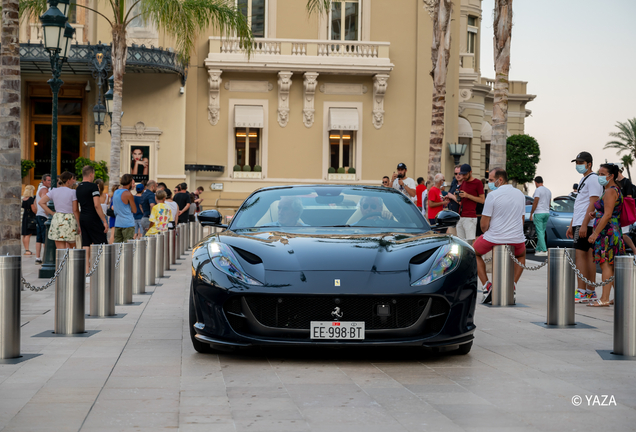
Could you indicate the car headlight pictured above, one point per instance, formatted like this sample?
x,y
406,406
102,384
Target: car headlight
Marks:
x,y
446,261
225,261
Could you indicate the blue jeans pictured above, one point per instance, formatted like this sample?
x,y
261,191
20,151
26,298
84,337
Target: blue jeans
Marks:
x,y
40,229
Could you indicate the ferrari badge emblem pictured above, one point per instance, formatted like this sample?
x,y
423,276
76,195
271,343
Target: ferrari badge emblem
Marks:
x,y
336,313
336,282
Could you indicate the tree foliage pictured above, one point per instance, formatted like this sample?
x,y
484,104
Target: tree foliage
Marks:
x,y
523,155
27,165
101,169
628,160
625,138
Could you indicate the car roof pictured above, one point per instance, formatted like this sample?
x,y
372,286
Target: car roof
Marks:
x,y
378,188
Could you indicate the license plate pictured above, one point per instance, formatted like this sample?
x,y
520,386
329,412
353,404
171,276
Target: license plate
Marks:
x,y
337,330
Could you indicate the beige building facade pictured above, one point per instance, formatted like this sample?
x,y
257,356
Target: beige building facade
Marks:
x,y
341,98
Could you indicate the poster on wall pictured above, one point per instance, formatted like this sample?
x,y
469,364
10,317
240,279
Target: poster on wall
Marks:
x,y
140,162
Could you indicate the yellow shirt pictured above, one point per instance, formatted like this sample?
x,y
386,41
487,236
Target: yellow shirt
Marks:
x,y
160,215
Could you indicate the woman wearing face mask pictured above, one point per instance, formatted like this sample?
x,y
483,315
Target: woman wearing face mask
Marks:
x,y
607,236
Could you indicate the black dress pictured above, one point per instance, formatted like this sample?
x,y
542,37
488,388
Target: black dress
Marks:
x,y
28,218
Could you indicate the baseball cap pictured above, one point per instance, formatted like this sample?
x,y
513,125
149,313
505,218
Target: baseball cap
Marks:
x,y
583,156
139,187
401,166
465,169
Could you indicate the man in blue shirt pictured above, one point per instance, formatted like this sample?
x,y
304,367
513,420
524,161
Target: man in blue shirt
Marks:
x,y
148,202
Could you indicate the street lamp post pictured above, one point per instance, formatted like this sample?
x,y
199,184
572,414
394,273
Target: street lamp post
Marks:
x,y
108,98
457,151
58,35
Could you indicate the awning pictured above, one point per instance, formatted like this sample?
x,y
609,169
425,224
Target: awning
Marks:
x,y
248,116
465,130
486,132
343,119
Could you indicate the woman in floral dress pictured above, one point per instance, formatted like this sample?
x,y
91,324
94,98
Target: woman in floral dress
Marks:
x,y
607,236
65,224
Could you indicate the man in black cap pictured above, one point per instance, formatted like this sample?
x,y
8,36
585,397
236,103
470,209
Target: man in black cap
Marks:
x,y
588,193
404,184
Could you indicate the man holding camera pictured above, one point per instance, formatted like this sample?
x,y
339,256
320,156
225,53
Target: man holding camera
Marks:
x,y
404,184
471,193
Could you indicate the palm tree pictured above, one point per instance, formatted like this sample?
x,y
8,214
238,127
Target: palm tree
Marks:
x,y
10,129
441,12
628,160
180,19
625,138
503,34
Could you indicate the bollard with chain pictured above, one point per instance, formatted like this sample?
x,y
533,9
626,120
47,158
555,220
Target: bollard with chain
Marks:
x,y
102,301
502,277
70,291
10,285
561,281
193,233
173,245
580,275
124,275
151,252
181,239
139,266
166,250
187,240
625,306
159,256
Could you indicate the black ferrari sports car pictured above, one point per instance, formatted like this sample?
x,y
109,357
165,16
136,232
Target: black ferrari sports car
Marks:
x,y
332,266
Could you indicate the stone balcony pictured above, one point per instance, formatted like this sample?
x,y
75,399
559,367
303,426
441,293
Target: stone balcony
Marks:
x,y
298,55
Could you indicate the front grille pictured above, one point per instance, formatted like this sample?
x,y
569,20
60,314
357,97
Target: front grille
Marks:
x,y
296,312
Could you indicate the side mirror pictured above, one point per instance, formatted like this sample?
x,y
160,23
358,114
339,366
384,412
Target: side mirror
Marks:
x,y
211,218
446,219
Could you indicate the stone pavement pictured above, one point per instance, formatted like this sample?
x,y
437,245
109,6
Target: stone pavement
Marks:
x,y
140,373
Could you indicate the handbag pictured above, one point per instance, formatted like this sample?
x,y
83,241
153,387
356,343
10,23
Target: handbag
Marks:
x,y
110,212
31,223
628,213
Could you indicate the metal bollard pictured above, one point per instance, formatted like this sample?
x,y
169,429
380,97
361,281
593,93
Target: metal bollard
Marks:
x,y
102,302
124,278
166,250
10,297
70,289
561,285
503,272
193,233
625,306
181,235
173,245
199,231
186,237
159,256
139,266
151,252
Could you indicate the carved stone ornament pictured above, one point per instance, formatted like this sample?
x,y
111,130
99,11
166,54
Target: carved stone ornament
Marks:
x,y
284,84
214,103
379,89
140,127
429,5
310,82
465,95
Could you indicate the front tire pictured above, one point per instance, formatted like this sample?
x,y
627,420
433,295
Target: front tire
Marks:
x,y
198,346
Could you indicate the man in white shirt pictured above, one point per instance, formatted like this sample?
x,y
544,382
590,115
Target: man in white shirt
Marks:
x,y
502,223
404,184
588,193
540,214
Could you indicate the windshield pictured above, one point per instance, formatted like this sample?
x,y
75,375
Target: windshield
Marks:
x,y
310,207
563,205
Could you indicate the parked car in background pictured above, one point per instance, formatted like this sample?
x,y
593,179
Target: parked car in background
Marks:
x,y
561,210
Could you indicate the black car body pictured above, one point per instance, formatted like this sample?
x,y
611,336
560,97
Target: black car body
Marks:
x,y
258,284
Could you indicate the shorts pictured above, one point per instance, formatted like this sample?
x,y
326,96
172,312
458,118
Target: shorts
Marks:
x,y
93,232
467,228
139,229
145,223
482,247
581,243
40,229
63,227
122,235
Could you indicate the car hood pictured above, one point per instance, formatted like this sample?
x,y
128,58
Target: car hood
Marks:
x,y
281,251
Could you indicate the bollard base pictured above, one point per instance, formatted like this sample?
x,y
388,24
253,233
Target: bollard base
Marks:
x,y
51,333
576,325
22,358
119,315
609,355
131,304
510,305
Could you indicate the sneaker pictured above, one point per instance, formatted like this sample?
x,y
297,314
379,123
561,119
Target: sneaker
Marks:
x,y
38,260
541,254
487,298
581,297
591,296
88,280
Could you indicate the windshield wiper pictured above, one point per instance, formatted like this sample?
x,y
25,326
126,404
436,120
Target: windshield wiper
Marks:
x,y
334,226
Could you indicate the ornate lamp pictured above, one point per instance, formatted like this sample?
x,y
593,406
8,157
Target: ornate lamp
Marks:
x,y
457,151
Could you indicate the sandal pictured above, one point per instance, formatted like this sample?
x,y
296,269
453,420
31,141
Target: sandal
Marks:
x,y
28,252
598,303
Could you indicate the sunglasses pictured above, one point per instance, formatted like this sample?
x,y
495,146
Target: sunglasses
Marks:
x,y
366,206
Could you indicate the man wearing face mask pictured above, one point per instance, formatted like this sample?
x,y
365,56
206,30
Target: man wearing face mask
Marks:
x,y
588,193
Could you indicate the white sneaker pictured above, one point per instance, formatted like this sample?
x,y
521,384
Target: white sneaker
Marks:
x,y
88,280
540,254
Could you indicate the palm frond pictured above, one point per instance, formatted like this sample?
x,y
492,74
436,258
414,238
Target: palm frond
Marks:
x,y
318,7
625,138
32,9
185,19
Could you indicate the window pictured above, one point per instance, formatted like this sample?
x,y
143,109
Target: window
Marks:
x,y
342,149
254,10
72,12
344,22
248,138
472,21
471,37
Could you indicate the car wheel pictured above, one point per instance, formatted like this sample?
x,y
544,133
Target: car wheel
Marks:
x,y
464,349
199,346
531,237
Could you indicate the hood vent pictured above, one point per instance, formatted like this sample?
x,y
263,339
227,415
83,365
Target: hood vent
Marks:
x,y
423,257
248,256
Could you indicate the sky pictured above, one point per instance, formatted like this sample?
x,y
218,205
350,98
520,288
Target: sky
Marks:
x,y
578,58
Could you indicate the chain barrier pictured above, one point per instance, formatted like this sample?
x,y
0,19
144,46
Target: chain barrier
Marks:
x,y
523,266
580,275
99,255
51,281
121,247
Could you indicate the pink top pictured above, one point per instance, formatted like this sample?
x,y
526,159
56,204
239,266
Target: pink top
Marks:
x,y
63,198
